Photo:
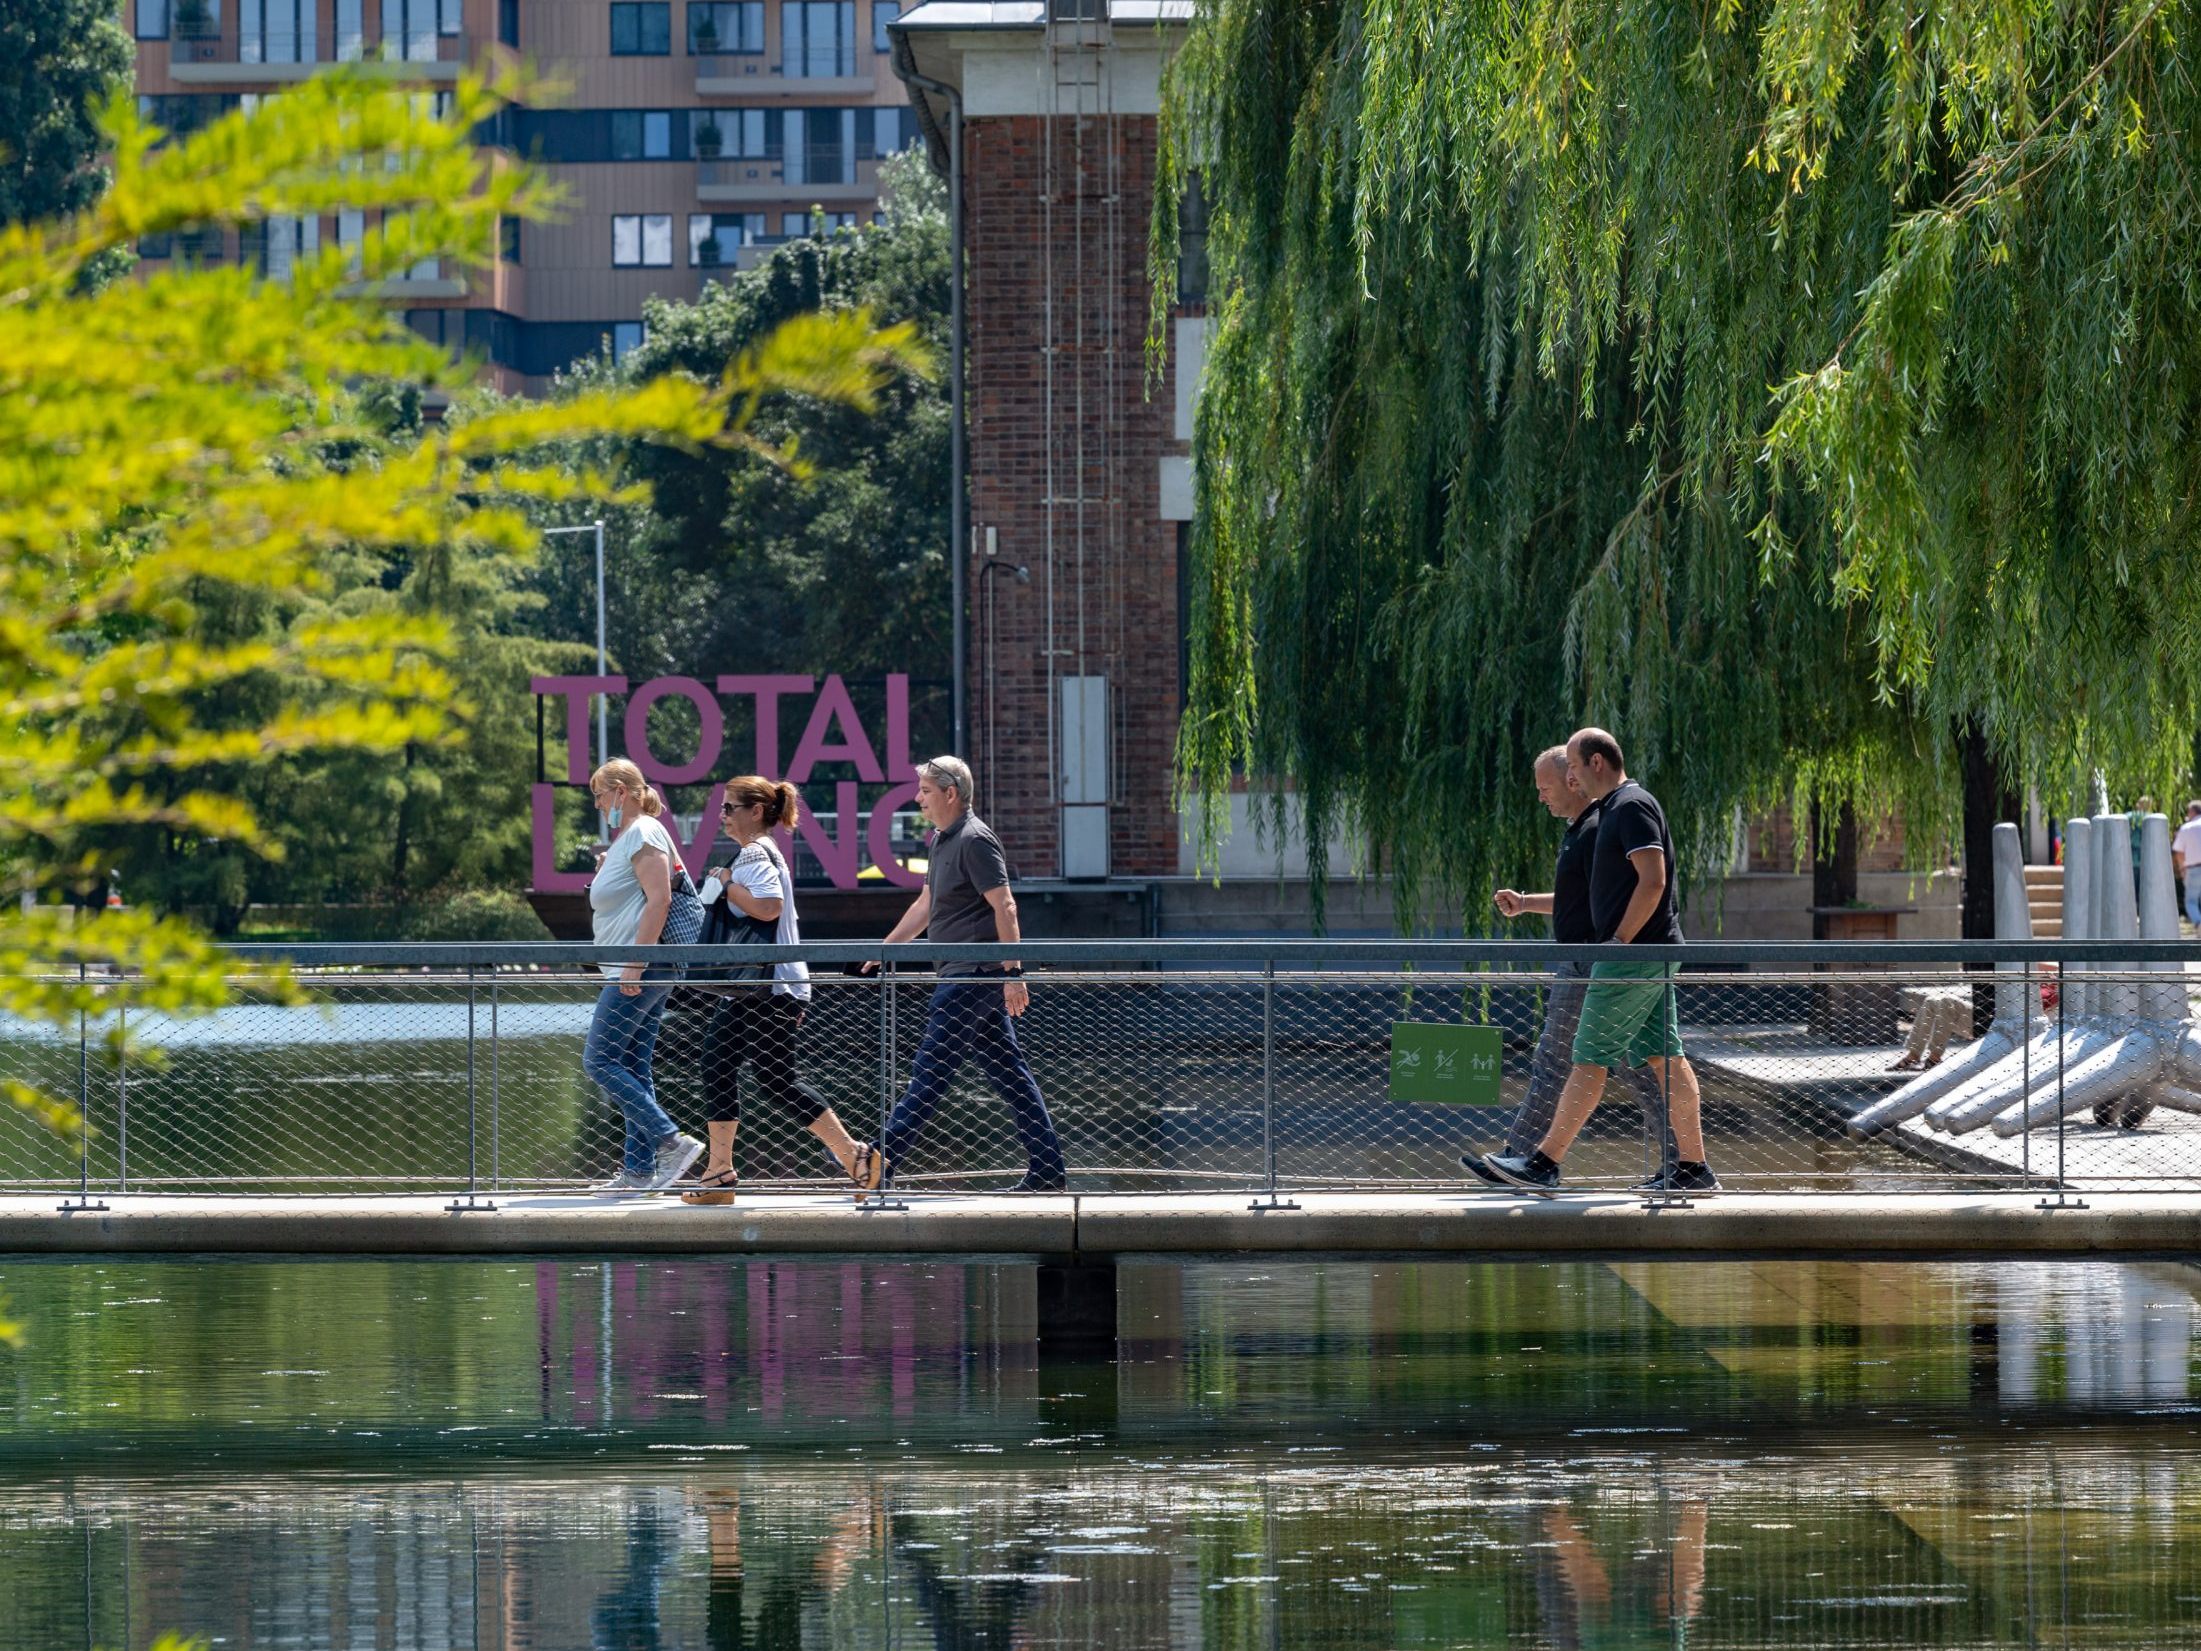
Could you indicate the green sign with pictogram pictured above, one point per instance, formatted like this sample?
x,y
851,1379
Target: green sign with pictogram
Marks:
x,y
1446,1065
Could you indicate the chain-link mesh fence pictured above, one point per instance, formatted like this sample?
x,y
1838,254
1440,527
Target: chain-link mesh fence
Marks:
x,y
1157,1069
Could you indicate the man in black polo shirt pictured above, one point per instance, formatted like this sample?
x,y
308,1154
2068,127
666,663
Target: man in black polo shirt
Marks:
x,y
1568,906
1628,1016
966,898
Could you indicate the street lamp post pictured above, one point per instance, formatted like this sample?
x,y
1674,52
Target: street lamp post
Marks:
x,y
603,663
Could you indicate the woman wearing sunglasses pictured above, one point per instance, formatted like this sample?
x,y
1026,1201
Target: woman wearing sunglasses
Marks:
x,y
755,1022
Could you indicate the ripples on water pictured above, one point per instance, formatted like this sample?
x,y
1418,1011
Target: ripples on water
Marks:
x,y
717,1454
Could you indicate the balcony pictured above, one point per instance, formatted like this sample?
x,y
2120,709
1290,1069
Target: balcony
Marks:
x,y
824,74
739,182
207,55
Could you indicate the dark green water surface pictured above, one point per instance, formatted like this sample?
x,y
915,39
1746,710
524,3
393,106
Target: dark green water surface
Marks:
x,y
722,1453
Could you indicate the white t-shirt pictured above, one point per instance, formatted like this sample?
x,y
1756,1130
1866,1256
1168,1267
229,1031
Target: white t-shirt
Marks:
x,y
759,869
615,898
2188,843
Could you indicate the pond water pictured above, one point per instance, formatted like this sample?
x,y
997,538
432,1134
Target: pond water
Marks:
x,y
759,1454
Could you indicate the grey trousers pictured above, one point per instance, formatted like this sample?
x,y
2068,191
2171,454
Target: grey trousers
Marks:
x,y
1554,1059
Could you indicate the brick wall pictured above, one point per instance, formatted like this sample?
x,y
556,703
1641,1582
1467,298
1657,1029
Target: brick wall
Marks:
x,y
1084,197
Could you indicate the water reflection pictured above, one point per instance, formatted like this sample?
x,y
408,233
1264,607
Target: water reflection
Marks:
x,y
712,1454
2083,1543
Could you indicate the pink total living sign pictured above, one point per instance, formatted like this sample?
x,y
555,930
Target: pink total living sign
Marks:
x,y
833,732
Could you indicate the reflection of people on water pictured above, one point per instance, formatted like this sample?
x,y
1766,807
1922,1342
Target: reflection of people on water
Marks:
x,y
966,1613
625,1618
777,1596
1661,1584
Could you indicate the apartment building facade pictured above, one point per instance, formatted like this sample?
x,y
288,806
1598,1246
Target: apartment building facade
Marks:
x,y
690,136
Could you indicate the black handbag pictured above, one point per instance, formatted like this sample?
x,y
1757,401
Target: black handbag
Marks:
x,y
726,924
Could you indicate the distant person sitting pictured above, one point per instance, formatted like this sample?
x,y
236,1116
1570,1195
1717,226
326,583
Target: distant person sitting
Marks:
x,y
1628,1015
1568,907
2185,855
966,898
1943,1011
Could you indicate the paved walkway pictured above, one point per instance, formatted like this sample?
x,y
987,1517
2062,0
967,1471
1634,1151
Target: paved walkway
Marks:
x,y
1850,1225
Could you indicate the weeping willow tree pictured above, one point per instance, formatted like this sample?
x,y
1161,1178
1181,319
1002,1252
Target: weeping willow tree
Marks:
x,y
1789,386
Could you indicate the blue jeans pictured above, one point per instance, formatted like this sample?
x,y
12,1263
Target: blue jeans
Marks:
x,y
1554,1060
622,1035
968,1018
2193,895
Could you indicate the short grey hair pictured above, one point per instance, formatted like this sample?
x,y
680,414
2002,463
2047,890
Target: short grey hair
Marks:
x,y
950,773
1552,756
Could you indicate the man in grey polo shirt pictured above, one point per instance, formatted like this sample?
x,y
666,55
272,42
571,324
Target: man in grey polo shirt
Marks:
x,y
966,898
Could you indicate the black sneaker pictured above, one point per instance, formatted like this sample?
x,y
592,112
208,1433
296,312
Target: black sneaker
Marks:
x,y
1034,1184
1688,1177
1661,1182
1473,1163
1534,1172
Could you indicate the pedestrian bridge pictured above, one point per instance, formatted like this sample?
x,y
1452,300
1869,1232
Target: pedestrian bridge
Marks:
x,y
1099,1229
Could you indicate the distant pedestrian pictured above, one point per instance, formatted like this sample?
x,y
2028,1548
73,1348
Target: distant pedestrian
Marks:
x,y
974,1008
755,1022
1628,1016
2185,854
639,897
1942,1013
1568,907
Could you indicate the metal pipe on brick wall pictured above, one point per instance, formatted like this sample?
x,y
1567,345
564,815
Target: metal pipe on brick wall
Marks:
x,y
959,550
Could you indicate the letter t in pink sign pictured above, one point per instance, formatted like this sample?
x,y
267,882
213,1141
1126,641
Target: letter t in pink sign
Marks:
x,y
768,690
575,690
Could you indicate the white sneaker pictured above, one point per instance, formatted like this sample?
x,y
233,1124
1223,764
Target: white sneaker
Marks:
x,y
619,1186
673,1159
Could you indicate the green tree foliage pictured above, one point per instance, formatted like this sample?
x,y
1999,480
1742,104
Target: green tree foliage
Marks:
x,y
1784,384
839,562
188,479
60,63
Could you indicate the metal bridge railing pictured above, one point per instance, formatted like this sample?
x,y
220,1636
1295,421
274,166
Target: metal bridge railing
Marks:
x,y
1253,1067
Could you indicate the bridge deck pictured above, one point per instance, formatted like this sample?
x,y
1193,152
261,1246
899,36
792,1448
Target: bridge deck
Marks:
x,y
1849,1225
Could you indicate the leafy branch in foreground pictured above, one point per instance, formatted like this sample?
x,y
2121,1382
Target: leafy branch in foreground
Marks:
x,y
176,449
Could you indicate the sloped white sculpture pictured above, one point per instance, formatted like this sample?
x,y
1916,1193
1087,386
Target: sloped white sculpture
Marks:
x,y
2123,1047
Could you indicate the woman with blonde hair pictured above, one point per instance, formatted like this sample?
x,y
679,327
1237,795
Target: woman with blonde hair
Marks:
x,y
756,1022
640,896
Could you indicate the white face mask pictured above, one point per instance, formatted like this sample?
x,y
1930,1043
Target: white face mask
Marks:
x,y
615,816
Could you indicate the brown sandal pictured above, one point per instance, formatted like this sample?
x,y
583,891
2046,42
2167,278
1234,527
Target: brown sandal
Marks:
x,y
868,1171
714,1189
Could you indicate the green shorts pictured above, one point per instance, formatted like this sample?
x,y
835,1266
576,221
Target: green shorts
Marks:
x,y
1628,1016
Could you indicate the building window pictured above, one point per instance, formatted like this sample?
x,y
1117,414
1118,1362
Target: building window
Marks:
x,y
156,246
647,134
743,134
794,224
883,12
882,132
508,240
626,338
410,27
276,31
152,24
715,237
726,27
508,22
1192,245
642,240
821,146
818,39
179,114
642,28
